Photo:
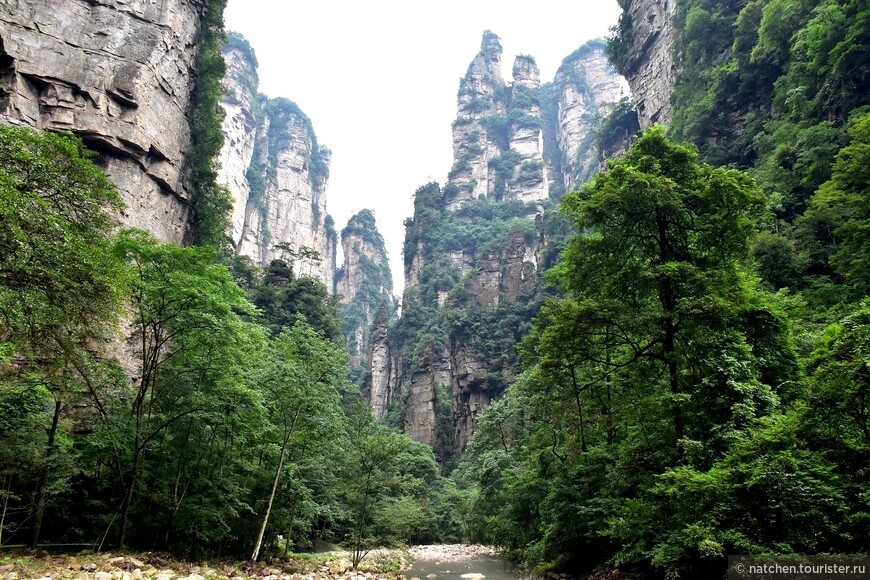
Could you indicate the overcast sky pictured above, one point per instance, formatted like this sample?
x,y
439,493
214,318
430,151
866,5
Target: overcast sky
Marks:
x,y
379,78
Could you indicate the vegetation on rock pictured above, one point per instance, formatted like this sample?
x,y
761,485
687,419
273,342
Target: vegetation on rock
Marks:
x,y
212,203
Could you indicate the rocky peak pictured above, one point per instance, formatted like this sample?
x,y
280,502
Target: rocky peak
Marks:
x,y
276,172
474,249
118,74
490,46
526,72
496,136
364,283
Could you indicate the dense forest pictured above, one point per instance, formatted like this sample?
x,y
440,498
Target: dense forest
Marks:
x,y
695,383
239,419
698,385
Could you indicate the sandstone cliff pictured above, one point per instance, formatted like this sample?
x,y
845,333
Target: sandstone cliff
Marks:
x,y
474,249
585,90
364,284
120,75
647,32
276,172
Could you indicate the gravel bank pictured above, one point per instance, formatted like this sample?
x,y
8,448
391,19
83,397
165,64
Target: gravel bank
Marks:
x,y
451,552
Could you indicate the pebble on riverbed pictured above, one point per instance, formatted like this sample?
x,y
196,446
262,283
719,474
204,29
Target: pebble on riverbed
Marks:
x,y
451,552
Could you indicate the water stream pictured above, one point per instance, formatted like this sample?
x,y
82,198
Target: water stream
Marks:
x,y
472,568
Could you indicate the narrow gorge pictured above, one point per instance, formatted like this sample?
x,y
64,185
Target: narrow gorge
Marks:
x,y
632,336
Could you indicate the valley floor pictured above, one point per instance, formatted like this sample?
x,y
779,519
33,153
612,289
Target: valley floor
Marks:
x,y
378,565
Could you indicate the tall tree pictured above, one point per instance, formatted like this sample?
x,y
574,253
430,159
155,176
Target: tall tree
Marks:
x,y
302,378
654,359
60,286
659,279
185,315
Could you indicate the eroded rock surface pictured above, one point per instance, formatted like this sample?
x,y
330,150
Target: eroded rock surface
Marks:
x,y
277,175
516,145
119,74
650,68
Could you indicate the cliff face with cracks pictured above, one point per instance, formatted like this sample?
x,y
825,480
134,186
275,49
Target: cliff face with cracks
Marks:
x,y
364,285
475,248
276,172
647,32
119,74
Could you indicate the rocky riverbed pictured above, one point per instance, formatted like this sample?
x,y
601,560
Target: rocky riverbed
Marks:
x,y
451,552
377,565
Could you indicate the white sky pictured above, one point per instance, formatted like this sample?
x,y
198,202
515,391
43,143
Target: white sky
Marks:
x,y
379,80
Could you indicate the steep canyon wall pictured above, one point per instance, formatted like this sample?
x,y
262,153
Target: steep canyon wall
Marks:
x,y
276,172
119,74
475,248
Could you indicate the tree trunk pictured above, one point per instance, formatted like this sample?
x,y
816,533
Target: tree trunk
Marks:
x,y
43,477
6,494
262,533
668,301
579,408
128,498
284,445
670,357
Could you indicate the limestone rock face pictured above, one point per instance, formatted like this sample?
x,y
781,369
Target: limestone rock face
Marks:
x,y
451,352
481,98
650,68
364,284
527,180
585,91
240,104
277,175
383,375
119,74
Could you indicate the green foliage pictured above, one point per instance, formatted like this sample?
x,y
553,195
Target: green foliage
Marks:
x,y
531,172
618,129
212,203
302,380
60,294
505,164
57,277
497,130
642,380
281,297
842,204
523,97
620,41
220,434
235,41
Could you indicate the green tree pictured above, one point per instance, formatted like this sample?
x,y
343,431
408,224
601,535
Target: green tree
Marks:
x,y
656,359
660,282
185,314
282,296
372,468
303,379
60,286
841,209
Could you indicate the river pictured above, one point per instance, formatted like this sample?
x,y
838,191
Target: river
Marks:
x,y
459,562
